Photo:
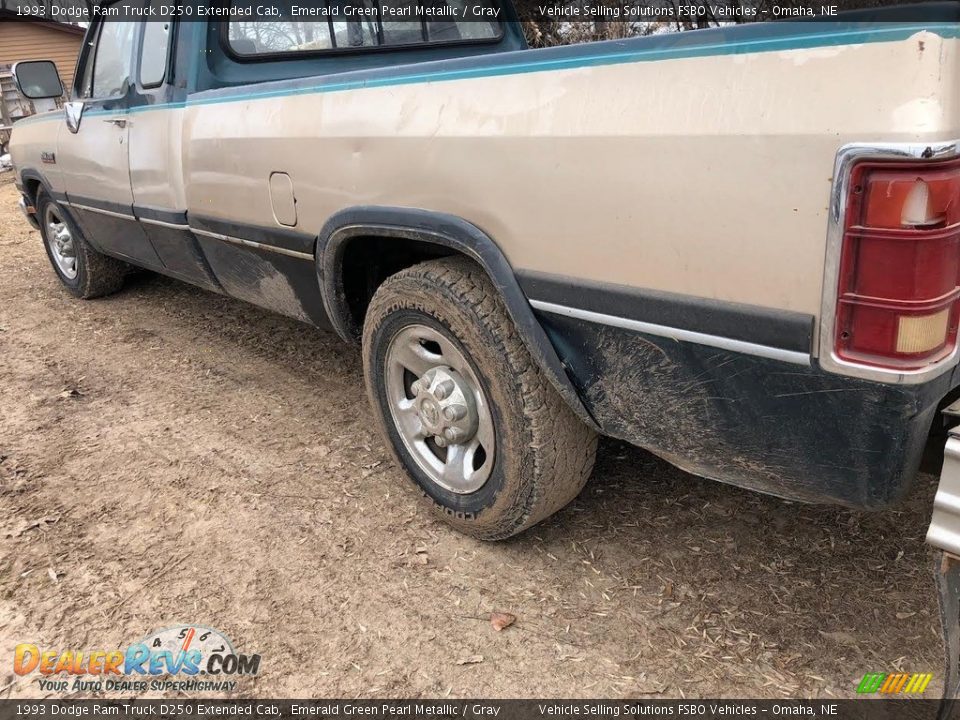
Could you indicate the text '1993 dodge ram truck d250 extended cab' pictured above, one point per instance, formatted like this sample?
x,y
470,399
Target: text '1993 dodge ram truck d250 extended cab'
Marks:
x,y
737,247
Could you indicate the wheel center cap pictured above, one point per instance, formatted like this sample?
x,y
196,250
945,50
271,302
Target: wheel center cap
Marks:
x,y
446,406
430,413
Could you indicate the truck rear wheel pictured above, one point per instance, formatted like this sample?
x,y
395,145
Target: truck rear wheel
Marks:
x,y
466,410
84,272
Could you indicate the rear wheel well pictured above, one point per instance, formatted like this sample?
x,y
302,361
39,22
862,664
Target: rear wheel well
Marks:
x,y
367,261
359,247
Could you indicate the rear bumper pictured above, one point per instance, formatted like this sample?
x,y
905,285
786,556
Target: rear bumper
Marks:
x,y
944,532
29,212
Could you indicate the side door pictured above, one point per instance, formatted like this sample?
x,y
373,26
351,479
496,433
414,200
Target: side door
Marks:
x,y
95,159
156,160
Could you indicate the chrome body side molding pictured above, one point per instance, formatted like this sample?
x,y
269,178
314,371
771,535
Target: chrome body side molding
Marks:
x,y
253,244
101,211
740,346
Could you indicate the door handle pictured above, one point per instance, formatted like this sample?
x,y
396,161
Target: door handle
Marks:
x,y
119,122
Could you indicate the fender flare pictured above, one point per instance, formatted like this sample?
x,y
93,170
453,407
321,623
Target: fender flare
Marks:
x,y
458,235
31,174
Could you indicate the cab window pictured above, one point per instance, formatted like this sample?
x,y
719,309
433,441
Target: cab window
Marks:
x,y
153,50
369,27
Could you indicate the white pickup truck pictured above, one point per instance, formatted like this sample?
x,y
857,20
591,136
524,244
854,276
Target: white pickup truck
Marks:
x,y
736,247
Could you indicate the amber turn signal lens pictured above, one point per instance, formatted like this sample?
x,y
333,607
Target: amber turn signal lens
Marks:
x,y
922,333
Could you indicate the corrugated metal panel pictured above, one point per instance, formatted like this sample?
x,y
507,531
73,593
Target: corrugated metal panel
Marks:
x,y
34,41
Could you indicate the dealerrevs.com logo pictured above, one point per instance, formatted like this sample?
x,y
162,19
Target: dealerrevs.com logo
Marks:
x,y
202,655
894,683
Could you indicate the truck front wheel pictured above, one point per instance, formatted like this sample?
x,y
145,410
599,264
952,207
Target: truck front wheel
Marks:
x,y
84,272
466,410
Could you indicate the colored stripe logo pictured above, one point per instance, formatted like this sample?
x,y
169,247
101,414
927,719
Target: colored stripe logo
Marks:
x,y
894,683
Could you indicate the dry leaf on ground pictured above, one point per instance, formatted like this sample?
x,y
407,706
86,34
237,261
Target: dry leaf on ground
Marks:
x,y
501,620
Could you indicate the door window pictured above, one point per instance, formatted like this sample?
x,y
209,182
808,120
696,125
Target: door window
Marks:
x,y
112,59
153,53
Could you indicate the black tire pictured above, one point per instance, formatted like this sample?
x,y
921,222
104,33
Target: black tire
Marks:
x,y
544,453
96,274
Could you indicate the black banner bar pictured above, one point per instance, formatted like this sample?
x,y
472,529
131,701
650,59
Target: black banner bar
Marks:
x,y
185,708
695,13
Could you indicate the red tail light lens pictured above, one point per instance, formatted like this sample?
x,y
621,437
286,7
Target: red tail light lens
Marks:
x,y
897,305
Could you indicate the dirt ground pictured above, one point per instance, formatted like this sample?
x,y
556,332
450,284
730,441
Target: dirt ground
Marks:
x,y
168,455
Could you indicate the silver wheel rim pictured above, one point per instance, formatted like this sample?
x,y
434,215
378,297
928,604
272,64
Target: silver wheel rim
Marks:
x,y
439,409
60,242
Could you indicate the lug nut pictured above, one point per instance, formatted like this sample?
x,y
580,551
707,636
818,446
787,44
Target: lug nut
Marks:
x,y
440,441
454,412
451,434
415,388
444,389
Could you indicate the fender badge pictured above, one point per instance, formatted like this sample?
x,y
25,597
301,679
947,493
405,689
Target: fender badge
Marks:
x,y
48,157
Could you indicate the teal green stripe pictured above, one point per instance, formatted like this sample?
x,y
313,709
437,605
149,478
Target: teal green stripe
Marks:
x,y
832,38
812,40
883,34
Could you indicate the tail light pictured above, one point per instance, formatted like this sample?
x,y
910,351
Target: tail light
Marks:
x,y
897,304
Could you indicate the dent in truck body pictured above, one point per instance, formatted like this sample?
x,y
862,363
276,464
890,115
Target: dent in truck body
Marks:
x,y
177,246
